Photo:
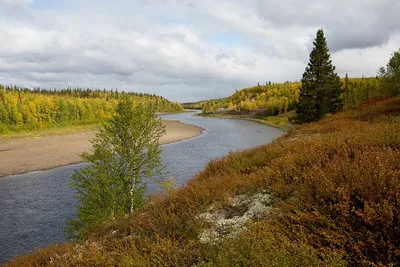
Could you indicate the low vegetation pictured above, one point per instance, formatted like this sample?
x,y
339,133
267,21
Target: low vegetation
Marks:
x,y
281,121
328,192
22,109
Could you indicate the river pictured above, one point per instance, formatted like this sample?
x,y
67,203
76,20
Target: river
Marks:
x,y
34,206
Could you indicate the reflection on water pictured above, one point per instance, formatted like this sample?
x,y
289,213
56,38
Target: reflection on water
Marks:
x,y
34,206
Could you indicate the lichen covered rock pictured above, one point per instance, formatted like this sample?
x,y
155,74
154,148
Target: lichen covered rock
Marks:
x,y
232,219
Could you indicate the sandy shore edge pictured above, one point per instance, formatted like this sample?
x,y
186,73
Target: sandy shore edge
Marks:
x,y
25,155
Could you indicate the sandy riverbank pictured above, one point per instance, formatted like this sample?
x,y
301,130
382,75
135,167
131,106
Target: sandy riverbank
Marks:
x,y
47,152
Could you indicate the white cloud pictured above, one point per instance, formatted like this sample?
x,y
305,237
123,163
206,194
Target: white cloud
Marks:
x,y
19,3
167,47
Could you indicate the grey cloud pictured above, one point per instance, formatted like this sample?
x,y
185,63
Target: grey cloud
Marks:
x,y
221,56
15,9
161,46
348,24
339,39
15,3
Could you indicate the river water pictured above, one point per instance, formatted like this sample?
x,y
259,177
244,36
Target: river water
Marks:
x,y
34,206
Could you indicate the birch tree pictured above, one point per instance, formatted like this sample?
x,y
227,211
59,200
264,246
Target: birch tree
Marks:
x,y
125,152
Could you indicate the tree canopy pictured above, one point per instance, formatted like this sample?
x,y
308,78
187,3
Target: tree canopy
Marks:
x,y
28,109
391,75
125,151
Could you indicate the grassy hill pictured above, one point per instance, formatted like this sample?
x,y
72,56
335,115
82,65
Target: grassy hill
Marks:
x,y
326,193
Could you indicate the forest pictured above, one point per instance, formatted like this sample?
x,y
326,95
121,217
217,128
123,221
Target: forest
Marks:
x,y
273,99
29,109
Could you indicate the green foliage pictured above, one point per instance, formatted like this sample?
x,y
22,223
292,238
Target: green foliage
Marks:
x,y
270,99
321,91
200,104
125,150
24,109
391,75
358,90
273,99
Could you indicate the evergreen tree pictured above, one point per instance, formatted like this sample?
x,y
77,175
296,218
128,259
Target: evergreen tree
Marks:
x,y
321,91
391,75
125,150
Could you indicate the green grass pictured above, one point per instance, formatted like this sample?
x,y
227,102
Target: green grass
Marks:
x,y
280,121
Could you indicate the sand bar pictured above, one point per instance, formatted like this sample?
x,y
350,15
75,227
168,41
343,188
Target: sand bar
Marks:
x,y
48,152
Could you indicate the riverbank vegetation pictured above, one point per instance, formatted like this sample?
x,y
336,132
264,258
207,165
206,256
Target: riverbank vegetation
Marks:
x,y
263,101
125,150
22,109
275,99
280,121
328,194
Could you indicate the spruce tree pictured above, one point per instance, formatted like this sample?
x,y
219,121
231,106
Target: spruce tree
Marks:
x,y
320,93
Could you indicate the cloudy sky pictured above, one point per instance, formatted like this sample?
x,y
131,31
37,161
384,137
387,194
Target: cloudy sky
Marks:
x,y
187,50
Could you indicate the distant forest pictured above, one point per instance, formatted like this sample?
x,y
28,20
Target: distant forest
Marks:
x,y
28,109
274,99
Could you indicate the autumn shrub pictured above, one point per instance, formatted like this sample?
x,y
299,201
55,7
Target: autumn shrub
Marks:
x,y
264,244
335,186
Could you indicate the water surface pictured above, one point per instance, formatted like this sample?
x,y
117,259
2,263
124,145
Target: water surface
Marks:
x,y
34,206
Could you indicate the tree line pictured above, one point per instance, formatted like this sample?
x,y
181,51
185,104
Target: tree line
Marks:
x,y
281,97
321,91
26,109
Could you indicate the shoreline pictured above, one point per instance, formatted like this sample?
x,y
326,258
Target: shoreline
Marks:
x,y
279,121
29,154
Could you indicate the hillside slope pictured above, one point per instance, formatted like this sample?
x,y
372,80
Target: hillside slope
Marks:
x,y
327,193
22,109
274,99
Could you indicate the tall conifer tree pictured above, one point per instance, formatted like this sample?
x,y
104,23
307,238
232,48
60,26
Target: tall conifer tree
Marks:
x,y
321,92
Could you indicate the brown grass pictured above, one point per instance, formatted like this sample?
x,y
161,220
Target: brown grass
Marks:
x,y
336,185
